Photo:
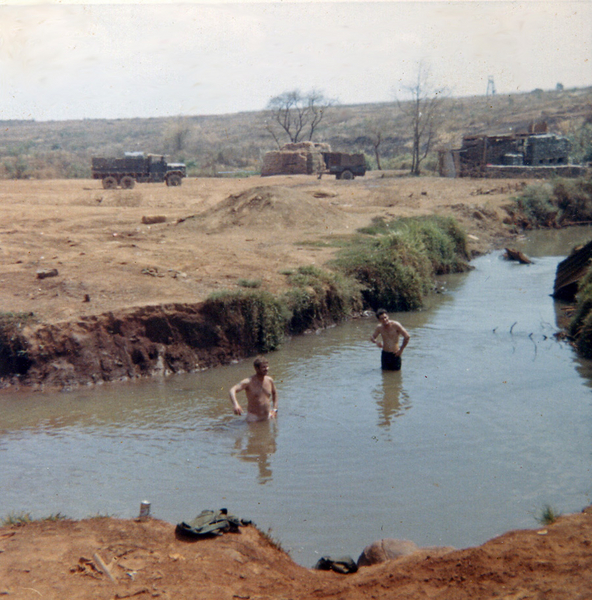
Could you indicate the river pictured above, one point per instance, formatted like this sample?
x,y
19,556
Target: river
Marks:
x,y
489,420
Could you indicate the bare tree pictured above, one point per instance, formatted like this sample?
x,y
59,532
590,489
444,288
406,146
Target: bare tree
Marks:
x,y
376,129
298,115
423,111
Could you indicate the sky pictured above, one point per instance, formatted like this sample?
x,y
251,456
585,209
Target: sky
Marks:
x,y
144,59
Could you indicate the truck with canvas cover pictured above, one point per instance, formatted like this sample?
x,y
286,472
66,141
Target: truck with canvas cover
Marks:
x,y
136,166
344,166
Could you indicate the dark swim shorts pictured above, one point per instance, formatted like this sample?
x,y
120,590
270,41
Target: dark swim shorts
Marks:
x,y
390,361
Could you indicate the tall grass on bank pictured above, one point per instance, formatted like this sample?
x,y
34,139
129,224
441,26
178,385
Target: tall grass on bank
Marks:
x,y
318,298
391,265
580,325
396,261
255,319
554,203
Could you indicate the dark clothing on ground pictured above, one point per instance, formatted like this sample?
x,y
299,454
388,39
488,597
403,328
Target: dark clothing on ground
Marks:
x,y
390,361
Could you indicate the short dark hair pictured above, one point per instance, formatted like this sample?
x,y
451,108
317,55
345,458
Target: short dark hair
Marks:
x,y
260,360
380,312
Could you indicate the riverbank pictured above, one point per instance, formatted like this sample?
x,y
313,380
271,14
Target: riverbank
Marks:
x,y
62,559
106,285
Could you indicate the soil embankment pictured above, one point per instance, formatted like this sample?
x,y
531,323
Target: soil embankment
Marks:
x,y
103,285
61,559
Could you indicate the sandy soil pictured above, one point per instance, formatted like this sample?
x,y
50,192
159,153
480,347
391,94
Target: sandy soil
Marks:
x,y
216,232
110,255
59,560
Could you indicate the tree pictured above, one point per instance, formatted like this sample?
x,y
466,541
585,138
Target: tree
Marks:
x,y
297,115
377,132
423,111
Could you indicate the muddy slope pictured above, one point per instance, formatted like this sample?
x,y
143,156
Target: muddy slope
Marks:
x,y
125,345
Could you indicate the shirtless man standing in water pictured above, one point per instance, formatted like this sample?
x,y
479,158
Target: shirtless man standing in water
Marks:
x,y
261,394
389,331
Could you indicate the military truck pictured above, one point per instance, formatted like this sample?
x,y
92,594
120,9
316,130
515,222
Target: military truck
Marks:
x,y
136,166
344,166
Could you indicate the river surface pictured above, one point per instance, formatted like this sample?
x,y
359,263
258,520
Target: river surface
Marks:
x,y
489,420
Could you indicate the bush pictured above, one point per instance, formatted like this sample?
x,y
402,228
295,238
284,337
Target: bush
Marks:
x,y
319,298
536,206
255,320
560,202
397,264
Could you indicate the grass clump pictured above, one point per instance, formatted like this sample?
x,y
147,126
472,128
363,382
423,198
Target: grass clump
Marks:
x,y
249,283
318,297
252,319
554,204
548,515
396,261
21,518
580,325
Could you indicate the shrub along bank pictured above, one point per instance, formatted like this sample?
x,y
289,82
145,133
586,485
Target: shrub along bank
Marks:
x,y
390,265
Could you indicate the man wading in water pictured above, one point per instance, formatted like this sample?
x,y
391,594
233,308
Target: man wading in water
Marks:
x,y
261,394
389,331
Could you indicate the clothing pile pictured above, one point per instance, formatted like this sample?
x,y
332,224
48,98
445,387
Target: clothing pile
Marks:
x,y
211,523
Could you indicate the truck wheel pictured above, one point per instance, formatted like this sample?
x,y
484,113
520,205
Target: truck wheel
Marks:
x,y
348,175
127,182
109,183
173,180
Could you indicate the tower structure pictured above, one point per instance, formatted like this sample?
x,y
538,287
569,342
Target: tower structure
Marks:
x,y
490,86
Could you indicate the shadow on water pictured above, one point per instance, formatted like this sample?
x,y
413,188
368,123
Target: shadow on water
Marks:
x,y
391,398
255,443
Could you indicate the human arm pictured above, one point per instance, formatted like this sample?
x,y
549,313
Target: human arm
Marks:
x,y
405,335
239,387
374,336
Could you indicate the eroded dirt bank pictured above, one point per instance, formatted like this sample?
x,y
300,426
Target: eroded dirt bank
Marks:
x,y
130,269
58,560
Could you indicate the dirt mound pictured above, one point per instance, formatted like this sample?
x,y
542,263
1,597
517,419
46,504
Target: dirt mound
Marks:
x,y
270,206
145,559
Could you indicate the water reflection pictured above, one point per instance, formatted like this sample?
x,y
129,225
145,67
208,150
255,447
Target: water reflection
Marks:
x,y
255,443
391,398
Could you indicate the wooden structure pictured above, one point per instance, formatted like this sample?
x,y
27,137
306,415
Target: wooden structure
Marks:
x,y
571,271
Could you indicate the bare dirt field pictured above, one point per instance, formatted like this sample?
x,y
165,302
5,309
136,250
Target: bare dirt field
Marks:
x,y
216,231
116,250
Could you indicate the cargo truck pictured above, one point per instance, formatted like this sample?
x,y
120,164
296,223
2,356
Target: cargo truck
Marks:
x,y
136,166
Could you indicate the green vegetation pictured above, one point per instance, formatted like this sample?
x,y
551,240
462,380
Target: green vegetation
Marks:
x,y
556,203
395,262
23,518
391,265
548,515
318,298
254,320
249,283
580,326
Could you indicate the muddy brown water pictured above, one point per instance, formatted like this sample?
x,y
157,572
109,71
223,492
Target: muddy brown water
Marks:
x,y
489,421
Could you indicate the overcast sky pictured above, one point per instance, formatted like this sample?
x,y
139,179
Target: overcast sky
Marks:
x,y
141,59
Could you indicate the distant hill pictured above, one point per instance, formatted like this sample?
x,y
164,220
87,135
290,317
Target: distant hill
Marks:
x,y
236,143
